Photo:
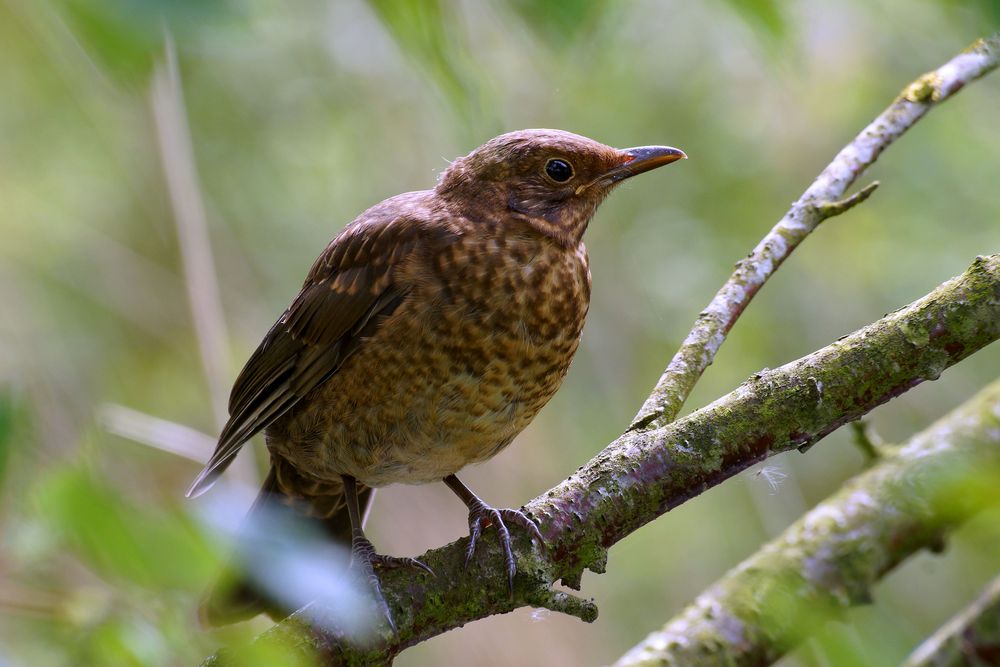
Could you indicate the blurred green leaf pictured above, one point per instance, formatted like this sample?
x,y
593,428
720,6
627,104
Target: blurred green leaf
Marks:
x,y
120,540
988,9
838,645
125,36
957,490
423,30
560,22
7,418
765,16
126,641
262,654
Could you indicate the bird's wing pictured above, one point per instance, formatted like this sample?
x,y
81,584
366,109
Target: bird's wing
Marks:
x,y
350,290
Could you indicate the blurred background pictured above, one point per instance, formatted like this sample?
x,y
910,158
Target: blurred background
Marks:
x,y
161,201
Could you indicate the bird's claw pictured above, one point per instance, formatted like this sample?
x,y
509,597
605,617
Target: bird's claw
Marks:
x,y
365,559
481,514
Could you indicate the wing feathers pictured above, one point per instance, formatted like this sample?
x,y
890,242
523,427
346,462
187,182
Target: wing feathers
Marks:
x,y
349,293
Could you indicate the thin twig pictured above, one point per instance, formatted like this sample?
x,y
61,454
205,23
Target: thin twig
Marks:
x,y
167,436
831,558
192,228
828,209
972,637
200,277
821,200
867,440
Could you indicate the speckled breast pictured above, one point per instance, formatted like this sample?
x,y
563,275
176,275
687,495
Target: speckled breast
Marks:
x,y
481,342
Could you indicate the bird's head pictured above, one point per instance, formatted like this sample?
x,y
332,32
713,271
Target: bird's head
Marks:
x,y
549,179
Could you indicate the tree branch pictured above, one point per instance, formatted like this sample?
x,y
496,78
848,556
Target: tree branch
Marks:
x,y
971,638
830,559
823,199
643,475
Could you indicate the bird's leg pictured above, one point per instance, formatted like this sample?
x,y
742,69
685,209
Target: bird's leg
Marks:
x,y
481,514
363,554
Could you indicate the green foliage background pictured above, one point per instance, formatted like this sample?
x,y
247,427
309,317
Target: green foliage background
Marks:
x,y
303,114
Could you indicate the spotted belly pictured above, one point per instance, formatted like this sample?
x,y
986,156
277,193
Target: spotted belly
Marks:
x,y
477,348
420,400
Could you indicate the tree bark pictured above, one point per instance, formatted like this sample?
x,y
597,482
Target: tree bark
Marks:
x,y
831,558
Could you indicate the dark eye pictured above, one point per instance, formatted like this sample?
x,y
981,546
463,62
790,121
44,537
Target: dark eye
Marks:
x,y
558,170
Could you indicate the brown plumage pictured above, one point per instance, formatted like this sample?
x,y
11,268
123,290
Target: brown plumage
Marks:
x,y
427,335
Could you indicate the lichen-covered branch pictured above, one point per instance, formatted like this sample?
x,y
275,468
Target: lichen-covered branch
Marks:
x,y
831,557
642,475
823,199
971,638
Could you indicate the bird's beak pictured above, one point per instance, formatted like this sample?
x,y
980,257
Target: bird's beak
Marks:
x,y
642,159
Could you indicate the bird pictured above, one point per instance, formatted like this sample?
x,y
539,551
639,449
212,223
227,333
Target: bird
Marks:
x,y
425,337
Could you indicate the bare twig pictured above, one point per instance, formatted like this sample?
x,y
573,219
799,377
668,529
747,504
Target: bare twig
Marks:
x,y
200,278
971,638
642,475
828,209
192,227
167,436
867,440
831,558
821,200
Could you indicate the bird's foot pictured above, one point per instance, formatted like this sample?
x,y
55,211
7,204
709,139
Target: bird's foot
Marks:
x,y
482,515
365,560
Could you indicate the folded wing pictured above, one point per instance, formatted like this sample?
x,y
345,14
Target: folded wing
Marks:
x,y
350,291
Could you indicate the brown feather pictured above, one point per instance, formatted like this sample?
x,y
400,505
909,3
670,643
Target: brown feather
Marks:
x,y
431,330
347,288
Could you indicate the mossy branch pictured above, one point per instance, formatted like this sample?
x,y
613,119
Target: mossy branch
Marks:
x,y
824,198
831,558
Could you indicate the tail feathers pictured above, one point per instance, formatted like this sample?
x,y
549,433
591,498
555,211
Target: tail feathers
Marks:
x,y
233,599
244,589
212,471
206,478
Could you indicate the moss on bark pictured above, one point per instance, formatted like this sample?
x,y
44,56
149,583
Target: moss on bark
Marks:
x,y
831,557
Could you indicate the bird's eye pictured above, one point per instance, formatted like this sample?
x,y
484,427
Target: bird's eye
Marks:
x,y
558,170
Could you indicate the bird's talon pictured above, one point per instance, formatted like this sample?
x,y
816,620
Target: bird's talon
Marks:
x,y
480,515
511,567
397,562
519,518
365,559
475,530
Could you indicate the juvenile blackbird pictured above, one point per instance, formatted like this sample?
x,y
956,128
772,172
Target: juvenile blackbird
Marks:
x,y
426,336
